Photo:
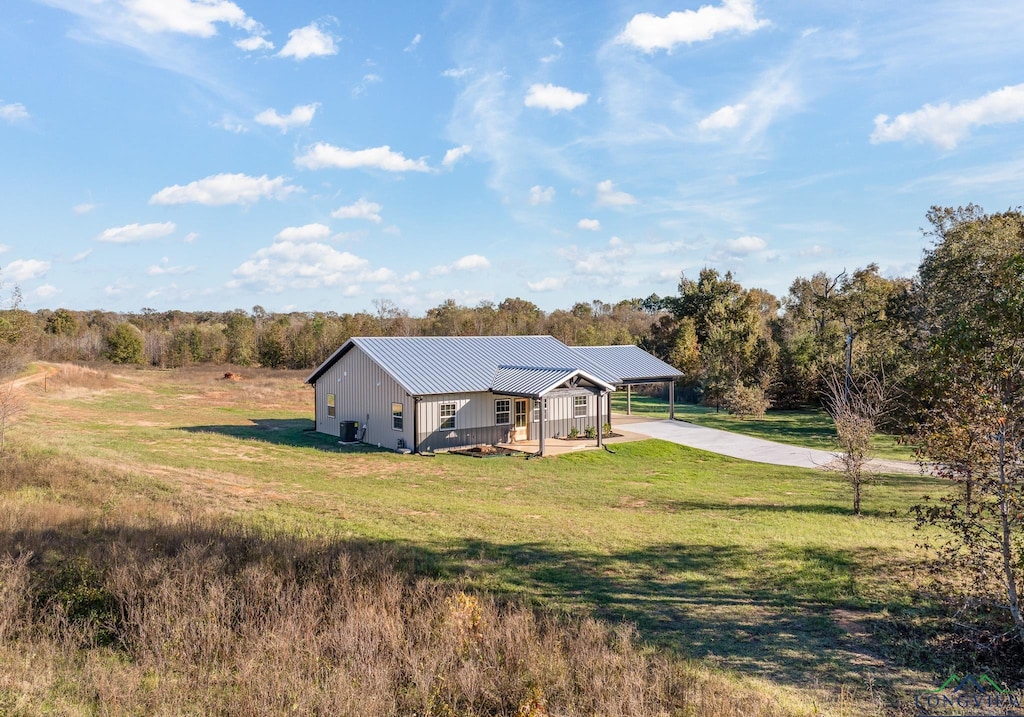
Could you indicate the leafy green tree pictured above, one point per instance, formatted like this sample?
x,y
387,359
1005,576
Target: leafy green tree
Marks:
x,y
970,310
124,344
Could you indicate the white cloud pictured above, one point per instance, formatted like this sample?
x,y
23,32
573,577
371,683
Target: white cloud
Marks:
x,y
725,118
81,256
457,72
300,116
220,189
368,79
83,208
592,225
164,268
45,291
323,155
254,44
945,125
24,270
361,209
414,43
650,32
309,41
548,283
13,112
746,245
307,232
470,262
608,196
4,247
188,17
191,237
541,195
554,98
454,154
601,263
132,233
306,265
230,124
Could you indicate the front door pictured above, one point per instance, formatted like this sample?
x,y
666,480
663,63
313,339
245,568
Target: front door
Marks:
x,y
522,420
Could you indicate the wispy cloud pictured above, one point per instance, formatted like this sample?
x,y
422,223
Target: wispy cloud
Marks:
x,y
548,283
591,225
133,233
165,268
947,125
453,155
541,195
360,209
221,189
608,196
83,208
307,232
650,32
305,265
13,112
414,43
470,262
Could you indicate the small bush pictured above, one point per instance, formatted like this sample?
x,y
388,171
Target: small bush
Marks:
x,y
746,401
574,433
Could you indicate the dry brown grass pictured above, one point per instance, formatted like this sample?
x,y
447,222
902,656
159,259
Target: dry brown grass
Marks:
x,y
118,597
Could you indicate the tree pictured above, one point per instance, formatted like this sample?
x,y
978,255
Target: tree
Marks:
x,y
855,408
970,310
12,404
124,345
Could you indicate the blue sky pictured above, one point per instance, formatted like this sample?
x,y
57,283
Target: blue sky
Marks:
x,y
208,154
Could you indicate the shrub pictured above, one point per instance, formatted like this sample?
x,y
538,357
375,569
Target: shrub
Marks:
x,y
744,401
124,344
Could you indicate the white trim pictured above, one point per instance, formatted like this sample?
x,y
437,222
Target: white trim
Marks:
x,y
507,412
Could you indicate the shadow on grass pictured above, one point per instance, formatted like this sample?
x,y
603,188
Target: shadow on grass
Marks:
x,y
296,432
699,600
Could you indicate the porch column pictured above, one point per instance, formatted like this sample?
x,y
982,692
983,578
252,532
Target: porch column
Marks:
x,y
600,428
543,420
671,400
609,408
629,399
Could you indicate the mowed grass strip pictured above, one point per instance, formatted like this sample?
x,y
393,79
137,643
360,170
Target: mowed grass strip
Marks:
x,y
808,427
746,564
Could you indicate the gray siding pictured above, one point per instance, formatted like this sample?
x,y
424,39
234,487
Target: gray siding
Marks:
x,y
363,389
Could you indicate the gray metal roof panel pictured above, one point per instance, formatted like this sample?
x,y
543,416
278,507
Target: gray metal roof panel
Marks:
x,y
535,381
629,363
430,365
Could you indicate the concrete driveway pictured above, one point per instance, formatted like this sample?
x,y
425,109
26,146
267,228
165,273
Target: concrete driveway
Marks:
x,y
748,448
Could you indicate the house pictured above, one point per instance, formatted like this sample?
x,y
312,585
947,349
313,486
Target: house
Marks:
x,y
439,392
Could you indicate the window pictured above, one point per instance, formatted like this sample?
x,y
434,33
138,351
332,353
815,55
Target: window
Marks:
x,y
502,411
536,411
579,406
447,416
396,416
331,410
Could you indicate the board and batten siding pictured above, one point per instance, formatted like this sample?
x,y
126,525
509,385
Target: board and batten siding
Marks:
x,y
361,389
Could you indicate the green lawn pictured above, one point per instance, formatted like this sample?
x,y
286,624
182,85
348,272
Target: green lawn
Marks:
x,y
810,427
759,569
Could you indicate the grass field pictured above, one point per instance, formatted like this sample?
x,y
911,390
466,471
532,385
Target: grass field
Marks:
x,y
761,572
810,427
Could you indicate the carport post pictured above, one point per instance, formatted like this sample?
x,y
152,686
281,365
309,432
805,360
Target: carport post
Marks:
x,y
629,399
671,400
543,405
600,428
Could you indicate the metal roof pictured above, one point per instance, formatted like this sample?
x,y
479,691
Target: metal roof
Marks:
x,y
630,363
431,365
535,382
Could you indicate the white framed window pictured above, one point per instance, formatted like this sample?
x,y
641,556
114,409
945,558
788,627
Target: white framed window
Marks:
x,y
447,416
579,406
332,410
397,422
536,410
502,411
